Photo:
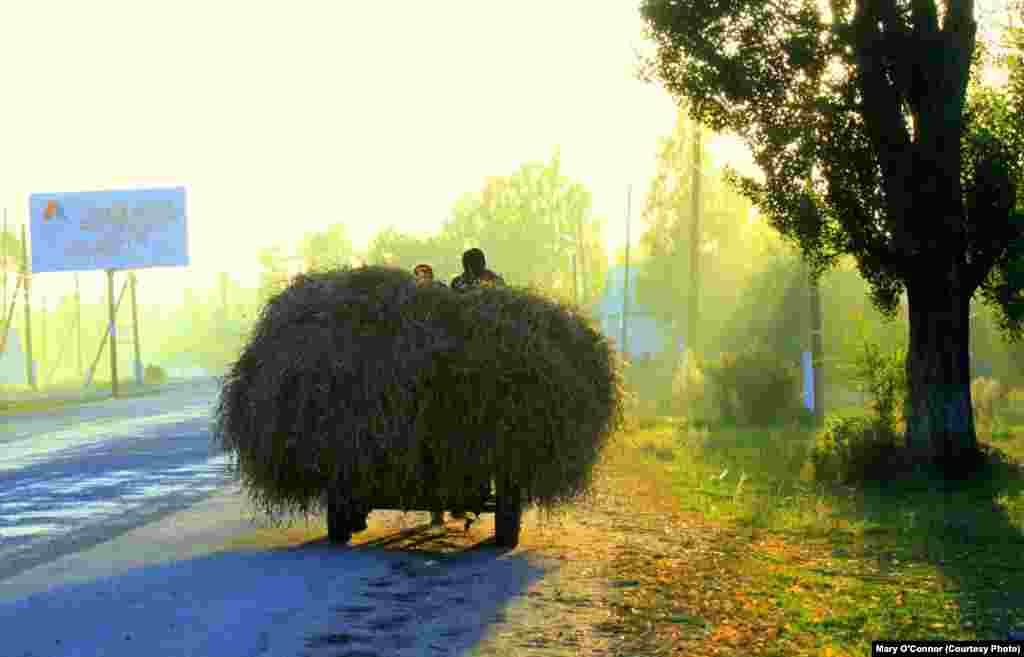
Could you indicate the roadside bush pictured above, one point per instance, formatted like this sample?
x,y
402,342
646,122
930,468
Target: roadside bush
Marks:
x,y
690,395
883,377
650,379
855,449
754,387
154,375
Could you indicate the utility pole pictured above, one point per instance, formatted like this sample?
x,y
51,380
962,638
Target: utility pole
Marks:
x,y
3,254
224,298
693,311
42,340
112,318
817,346
817,352
580,249
29,370
575,282
78,322
625,283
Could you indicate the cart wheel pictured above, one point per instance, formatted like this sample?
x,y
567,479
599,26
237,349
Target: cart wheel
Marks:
x,y
508,513
343,521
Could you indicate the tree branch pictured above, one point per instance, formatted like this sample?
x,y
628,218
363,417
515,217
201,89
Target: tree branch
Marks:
x,y
883,117
960,32
925,17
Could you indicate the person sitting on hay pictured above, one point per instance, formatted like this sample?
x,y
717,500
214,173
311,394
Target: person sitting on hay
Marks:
x,y
475,273
424,274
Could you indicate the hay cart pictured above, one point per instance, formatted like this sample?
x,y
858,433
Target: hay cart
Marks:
x,y
503,498
346,383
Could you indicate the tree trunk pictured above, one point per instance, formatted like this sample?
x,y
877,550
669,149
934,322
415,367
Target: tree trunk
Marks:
x,y
940,421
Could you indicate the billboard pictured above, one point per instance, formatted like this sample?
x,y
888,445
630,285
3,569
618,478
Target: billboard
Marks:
x,y
128,229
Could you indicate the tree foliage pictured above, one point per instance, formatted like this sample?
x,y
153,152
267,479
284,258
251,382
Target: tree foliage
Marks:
x,y
797,86
326,249
273,261
732,242
406,251
859,114
528,224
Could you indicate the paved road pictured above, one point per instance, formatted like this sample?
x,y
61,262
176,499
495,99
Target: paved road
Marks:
x,y
79,476
114,519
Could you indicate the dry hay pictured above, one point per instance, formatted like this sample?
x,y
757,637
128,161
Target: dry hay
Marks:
x,y
357,381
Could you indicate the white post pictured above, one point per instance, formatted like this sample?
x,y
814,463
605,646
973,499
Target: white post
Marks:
x,y
808,381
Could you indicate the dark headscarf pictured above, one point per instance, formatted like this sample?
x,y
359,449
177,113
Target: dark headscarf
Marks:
x,y
474,263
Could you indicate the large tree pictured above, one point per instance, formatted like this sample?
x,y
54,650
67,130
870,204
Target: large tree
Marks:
x,y
868,99
529,224
406,251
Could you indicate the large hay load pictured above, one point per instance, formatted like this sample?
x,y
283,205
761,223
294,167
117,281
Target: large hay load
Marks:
x,y
358,390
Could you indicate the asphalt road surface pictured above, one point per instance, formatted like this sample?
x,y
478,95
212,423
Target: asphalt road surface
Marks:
x,y
113,522
78,476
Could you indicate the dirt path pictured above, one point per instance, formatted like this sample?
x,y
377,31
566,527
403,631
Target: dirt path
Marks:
x,y
601,558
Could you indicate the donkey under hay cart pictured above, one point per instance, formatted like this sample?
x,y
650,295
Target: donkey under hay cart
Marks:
x,y
359,391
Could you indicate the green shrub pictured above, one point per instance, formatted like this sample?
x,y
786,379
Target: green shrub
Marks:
x,y
755,387
854,449
154,375
690,395
883,377
651,379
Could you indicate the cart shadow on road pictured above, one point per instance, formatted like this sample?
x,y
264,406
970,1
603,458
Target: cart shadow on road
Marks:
x,y
445,590
413,591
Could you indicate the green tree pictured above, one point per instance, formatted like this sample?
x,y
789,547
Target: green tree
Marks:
x,y
771,310
273,261
529,224
908,174
406,251
730,244
595,261
327,249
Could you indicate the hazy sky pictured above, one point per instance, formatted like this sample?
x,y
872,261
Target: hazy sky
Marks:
x,y
281,118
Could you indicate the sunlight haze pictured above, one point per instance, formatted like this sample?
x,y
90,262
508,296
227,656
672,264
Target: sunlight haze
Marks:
x,y
284,119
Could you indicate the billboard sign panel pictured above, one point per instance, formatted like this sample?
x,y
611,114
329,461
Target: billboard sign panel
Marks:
x,y
127,229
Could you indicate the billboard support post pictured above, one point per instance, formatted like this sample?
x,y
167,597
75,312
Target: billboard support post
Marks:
x,y
9,317
135,331
625,284
29,370
112,331
3,254
103,342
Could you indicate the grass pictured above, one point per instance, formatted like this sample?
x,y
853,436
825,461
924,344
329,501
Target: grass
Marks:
x,y
720,543
827,569
100,390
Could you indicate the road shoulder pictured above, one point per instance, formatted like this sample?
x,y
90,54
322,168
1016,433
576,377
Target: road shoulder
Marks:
x,y
199,530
